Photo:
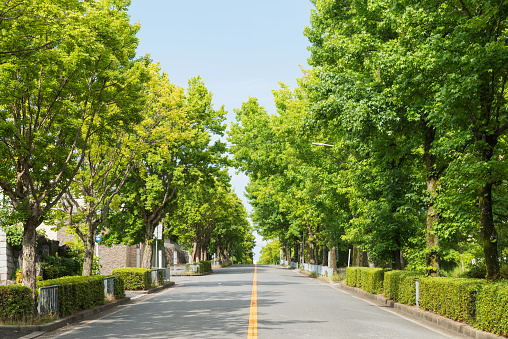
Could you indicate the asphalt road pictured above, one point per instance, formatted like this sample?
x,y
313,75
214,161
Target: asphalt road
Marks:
x,y
289,305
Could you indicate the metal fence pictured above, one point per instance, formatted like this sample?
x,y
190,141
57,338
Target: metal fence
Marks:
x,y
109,286
47,300
321,270
191,268
166,274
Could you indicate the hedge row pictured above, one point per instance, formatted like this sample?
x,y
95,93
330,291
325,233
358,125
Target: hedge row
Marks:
x,y
454,298
492,307
134,278
15,302
77,293
478,302
204,266
368,279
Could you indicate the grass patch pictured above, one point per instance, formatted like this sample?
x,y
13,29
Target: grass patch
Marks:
x,y
30,321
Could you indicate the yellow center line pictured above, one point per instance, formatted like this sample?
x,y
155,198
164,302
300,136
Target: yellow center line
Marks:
x,y
253,316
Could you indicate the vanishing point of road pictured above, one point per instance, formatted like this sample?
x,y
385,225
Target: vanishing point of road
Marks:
x,y
249,302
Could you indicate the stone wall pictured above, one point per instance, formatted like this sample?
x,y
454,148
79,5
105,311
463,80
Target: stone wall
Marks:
x,y
7,262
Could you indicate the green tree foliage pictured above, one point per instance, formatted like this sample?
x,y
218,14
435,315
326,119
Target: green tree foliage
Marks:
x,y
411,73
209,218
66,68
270,253
174,150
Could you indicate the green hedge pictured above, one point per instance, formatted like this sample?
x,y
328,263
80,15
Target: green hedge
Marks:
x,y
77,293
204,266
492,306
371,279
400,286
15,302
454,298
119,287
366,278
352,276
134,278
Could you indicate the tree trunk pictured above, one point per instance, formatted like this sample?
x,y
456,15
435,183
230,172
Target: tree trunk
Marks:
x,y
433,246
88,255
488,231
432,239
324,258
333,258
29,238
147,254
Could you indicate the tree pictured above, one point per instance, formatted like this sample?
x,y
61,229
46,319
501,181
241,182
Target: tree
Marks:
x,y
175,148
107,164
270,254
72,66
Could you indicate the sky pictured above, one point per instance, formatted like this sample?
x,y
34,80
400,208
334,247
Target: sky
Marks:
x,y
240,49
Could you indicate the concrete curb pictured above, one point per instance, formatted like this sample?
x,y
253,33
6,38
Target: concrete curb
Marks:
x,y
417,313
152,290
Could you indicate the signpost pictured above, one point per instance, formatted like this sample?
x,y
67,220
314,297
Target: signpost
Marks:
x,y
97,241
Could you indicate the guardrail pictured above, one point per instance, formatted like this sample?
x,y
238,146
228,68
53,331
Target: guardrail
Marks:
x,y
47,300
109,286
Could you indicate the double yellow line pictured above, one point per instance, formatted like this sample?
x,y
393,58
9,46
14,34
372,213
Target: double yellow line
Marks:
x,y
253,315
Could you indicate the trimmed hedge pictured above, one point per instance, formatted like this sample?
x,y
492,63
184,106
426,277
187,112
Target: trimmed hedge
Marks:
x,y
492,306
15,302
77,293
366,278
352,276
371,279
134,278
400,286
204,266
454,298
119,286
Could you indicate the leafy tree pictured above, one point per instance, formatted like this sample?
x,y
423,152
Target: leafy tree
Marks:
x,y
174,148
270,253
67,64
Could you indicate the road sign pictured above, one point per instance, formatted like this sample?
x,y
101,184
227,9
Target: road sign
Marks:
x,y
98,238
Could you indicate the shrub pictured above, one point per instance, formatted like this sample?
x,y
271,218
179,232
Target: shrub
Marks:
x,y
492,303
77,293
399,286
15,302
134,278
119,287
370,279
50,272
478,271
54,267
453,298
351,276
407,288
204,266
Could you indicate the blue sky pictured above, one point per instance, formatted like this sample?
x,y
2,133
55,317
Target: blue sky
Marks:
x,y
239,48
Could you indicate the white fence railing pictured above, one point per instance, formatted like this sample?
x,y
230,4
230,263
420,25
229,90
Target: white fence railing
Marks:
x,y
321,270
